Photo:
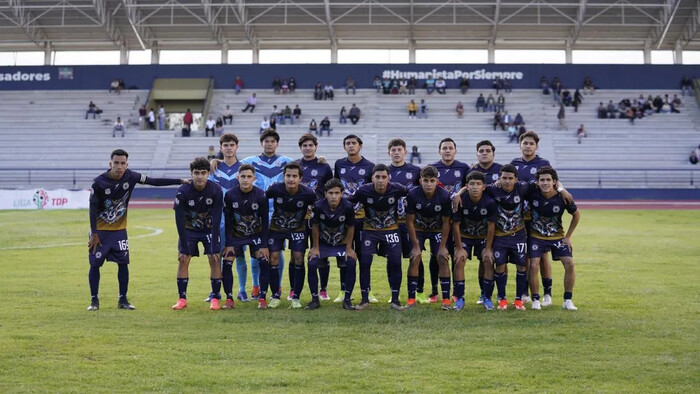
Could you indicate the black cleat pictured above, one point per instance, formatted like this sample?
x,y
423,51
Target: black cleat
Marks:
x,y
124,304
396,306
363,305
314,304
348,306
94,305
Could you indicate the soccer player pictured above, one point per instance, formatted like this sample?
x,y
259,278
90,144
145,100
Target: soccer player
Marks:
x,y
408,175
333,228
198,209
315,174
474,226
547,233
246,211
109,202
268,170
291,202
353,172
380,200
428,211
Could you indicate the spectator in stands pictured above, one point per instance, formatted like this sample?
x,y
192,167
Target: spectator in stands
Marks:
x,y
561,115
512,133
161,118
343,116
581,133
313,127
498,121
518,120
507,119
151,119
695,156
328,91
349,84
429,84
415,154
114,86
318,91
501,103
251,103
687,86
521,130
544,85
497,84
92,109
566,97
292,84
228,115
142,117
658,103
630,114
325,126
285,87
676,103
423,110
354,114
412,85
118,126
386,86
210,125
377,84
238,85
588,86
277,85
491,104
265,124
506,86
275,113
441,85
412,109
460,110
287,114
481,103
403,86
273,123
602,111
211,153
666,108
578,99
394,86
612,110
297,112
556,91
464,84
188,119
219,128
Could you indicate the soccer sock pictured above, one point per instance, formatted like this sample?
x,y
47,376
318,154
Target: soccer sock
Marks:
x,y
421,277
313,278
350,277
343,277
280,272
568,295
182,287
123,278
242,271
481,284
535,296
412,285
547,285
275,281
526,289
216,287
434,273
227,277
459,289
365,267
298,279
445,287
394,268
291,270
520,284
94,279
323,273
488,288
501,281
255,271
264,271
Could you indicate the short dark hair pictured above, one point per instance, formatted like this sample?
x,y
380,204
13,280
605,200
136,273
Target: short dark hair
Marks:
x,y
351,136
269,133
397,142
476,175
246,167
308,137
429,172
529,134
119,152
448,139
292,165
228,137
200,163
485,142
380,167
334,182
547,170
508,168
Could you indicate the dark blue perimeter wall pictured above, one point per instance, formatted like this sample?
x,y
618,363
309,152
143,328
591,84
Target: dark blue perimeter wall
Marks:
x,y
523,76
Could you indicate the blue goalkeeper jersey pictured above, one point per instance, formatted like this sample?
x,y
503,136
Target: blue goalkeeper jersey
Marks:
x,y
268,171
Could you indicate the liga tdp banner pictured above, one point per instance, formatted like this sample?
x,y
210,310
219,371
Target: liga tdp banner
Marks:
x,y
41,199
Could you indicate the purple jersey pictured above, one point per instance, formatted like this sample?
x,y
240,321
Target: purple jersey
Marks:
x,y
546,215
510,207
354,175
491,175
201,210
451,176
381,210
407,175
528,169
246,214
474,217
333,225
315,175
429,212
289,210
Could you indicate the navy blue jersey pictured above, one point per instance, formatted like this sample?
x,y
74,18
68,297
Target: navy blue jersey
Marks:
x,y
451,176
491,175
246,214
201,210
289,210
353,175
407,175
381,210
474,217
225,175
528,169
510,207
546,215
315,175
333,225
430,212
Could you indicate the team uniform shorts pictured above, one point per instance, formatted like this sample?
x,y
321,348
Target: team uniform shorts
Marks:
x,y
475,245
254,242
114,246
190,245
433,238
388,241
537,247
297,240
510,248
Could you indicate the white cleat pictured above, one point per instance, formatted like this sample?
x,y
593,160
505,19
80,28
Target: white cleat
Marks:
x,y
536,304
547,300
525,299
569,305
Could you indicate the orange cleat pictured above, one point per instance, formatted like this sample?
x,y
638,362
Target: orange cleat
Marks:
x,y
181,304
518,304
503,304
446,304
214,305
255,292
230,304
262,303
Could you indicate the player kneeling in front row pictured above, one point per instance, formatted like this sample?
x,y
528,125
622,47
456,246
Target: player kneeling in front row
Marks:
x,y
428,211
547,234
332,233
198,207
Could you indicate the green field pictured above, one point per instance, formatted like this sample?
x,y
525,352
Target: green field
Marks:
x,y
636,329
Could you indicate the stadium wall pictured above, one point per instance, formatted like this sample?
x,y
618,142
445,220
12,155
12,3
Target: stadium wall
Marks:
x,y
259,76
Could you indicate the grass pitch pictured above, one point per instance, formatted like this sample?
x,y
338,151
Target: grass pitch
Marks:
x,y
636,329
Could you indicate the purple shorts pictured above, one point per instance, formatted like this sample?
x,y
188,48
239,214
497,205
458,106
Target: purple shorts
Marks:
x,y
254,242
297,241
434,238
190,245
114,246
510,249
477,245
537,247
388,241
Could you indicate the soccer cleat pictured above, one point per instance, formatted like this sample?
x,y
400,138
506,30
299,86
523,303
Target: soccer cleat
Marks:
x,y
230,304
124,304
518,304
433,298
214,306
396,307
446,305
422,299
209,297
454,298
503,304
296,304
411,303
525,298
314,304
262,304
372,298
255,293
348,306
180,305
242,296
340,297
459,305
569,305
536,304
324,296
290,296
480,301
94,305
547,300
488,305
363,305
274,303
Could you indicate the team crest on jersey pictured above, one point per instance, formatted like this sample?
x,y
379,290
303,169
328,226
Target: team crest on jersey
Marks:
x,y
341,218
177,202
458,173
342,170
300,204
368,243
391,200
235,204
535,247
108,191
483,211
494,177
438,208
409,176
370,200
497,254
555,209
533,171
125,186
191,203
98,255
322,216
270,241
254,206
314,172
361,171
516,199
279,200
419,206
466,212
535,203
209,201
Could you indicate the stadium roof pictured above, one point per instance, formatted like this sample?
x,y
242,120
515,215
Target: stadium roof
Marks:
x,y
319,24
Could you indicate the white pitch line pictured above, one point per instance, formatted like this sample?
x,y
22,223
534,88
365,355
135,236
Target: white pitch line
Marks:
x,y
155,231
